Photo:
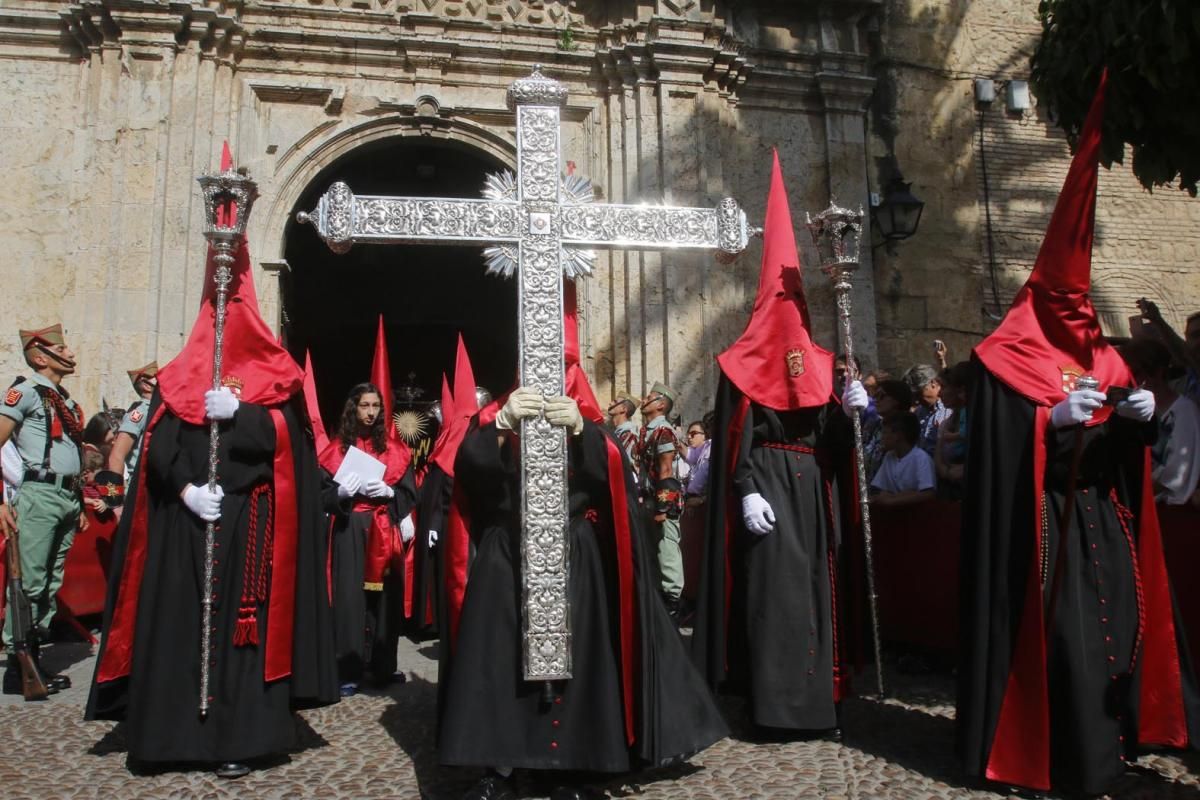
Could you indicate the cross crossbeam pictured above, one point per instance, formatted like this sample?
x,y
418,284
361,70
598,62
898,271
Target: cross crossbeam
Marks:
x,y
541,225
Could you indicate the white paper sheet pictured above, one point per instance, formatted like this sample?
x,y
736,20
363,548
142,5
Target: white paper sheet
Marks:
x,y
357,462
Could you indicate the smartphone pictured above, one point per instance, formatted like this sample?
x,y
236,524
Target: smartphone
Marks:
x,y
1116,394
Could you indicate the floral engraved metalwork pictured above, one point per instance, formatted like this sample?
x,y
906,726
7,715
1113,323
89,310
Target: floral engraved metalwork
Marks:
x,y
539,225
536,90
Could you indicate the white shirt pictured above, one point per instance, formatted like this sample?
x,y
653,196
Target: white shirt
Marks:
x,y
1176,456
913,473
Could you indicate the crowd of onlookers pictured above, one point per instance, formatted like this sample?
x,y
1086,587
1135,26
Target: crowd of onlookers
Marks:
x,y
916,426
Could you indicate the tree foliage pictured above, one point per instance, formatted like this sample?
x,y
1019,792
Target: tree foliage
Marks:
x,y
1152,51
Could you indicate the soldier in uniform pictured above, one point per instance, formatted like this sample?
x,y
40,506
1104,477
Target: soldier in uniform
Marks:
x,y
620,416
123,456
661,491
47,426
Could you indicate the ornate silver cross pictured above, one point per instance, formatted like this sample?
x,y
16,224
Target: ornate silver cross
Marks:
x,y
540,225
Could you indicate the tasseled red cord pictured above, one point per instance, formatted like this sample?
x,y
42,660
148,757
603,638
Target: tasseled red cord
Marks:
x,y
255,574
1125,516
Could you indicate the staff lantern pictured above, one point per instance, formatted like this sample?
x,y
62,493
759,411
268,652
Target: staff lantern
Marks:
x,y
837,233
228,198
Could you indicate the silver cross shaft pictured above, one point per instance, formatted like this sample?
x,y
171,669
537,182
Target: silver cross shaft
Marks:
x,y
540,222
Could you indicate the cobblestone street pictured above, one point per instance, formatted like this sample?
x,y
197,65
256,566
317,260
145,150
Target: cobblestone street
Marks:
x,y
380,745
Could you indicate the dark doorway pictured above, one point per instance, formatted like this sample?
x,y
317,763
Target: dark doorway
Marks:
x,y
427,294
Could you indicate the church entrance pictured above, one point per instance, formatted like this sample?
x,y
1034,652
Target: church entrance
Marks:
x,y
426,293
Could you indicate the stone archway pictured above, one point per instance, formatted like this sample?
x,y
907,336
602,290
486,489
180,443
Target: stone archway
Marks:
x,y
427,294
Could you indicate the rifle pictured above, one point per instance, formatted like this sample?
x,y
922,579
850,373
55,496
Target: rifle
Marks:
x,y
32,685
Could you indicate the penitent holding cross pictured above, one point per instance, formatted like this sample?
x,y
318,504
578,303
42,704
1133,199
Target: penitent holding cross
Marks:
x,y
539,225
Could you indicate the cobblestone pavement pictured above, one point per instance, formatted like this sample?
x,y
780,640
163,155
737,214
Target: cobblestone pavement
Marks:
x,y
380,745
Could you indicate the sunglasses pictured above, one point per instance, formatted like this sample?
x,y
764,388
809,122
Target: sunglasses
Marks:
x,y
695,433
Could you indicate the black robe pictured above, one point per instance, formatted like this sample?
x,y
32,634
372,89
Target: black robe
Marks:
x,y
771,634
248,717
429,594
1094,623
367,624
489,715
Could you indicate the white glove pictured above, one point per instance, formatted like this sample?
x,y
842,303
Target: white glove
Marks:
x,y
522,403
350,487
204,504
564,411
432,539
854,398
1077,408
1139,405
220,403
377,489
407,529
757,514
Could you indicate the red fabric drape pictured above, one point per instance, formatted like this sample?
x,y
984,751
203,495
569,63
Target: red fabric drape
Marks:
x,y
1020,752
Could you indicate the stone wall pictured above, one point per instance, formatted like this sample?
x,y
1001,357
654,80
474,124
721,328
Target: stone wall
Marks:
x,y
939,284
114,106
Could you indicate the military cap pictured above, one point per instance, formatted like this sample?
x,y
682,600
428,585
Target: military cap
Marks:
x,y
148,371
666,391
49,336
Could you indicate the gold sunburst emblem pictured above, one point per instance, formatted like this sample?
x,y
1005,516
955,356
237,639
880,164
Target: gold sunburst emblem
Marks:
x,y
412,426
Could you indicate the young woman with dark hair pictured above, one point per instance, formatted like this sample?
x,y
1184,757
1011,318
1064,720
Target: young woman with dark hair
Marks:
x,y
371,527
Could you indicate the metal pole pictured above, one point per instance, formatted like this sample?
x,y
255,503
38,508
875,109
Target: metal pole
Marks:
x,y
842,287
223,255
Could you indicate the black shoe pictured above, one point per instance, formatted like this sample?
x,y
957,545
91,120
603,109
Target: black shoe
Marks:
x,y
12,677
13,682
232,770
492,787
55,683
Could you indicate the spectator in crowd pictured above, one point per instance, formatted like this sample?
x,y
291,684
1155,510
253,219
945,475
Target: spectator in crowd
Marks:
x,y
840,372
1175,456
698,452
906,475
1185,351
872,380
950,455
939,354
98,437
892,398
931,412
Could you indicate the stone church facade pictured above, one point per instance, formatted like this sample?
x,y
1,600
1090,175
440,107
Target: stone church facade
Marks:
x,y
114,106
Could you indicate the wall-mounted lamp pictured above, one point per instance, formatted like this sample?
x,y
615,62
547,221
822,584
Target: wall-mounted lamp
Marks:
x,y
899,213
985,91
1016,96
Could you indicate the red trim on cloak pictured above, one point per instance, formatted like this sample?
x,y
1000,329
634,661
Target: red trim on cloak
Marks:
x,y
1161,716
1020,751
410,554
117,659
623,541
737,424
281,618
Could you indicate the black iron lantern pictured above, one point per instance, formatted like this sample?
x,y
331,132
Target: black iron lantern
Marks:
x,y
898,216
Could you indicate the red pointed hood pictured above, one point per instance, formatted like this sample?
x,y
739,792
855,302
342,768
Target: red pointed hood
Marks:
x,y
381,372
577,385
320,436
254,365
457,416
1051,334
775,362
